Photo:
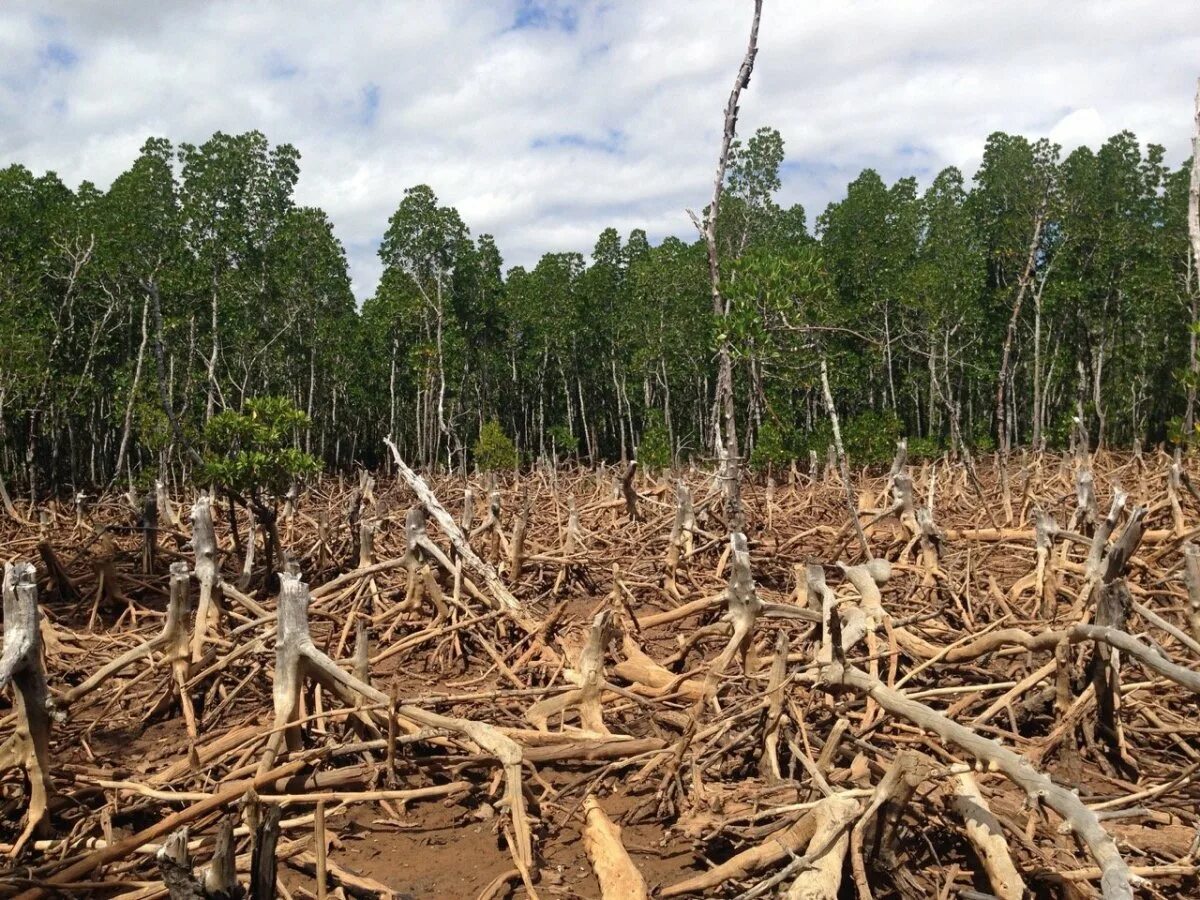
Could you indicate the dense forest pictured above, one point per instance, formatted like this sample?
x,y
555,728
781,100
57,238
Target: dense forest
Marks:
x,y
991,310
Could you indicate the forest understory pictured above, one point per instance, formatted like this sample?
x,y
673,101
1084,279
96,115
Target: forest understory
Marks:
x,y
571,683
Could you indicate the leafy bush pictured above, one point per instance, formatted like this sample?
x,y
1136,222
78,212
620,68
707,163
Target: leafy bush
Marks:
x,y
870,438
249,451
921,448
771,449
655,450
982,440
1058,433
494,451
564,442
818,441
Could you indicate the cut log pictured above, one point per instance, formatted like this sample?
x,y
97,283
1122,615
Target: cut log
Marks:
x,y
987,837
619,878
821,878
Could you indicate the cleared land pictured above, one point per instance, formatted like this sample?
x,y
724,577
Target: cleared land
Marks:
x,y
1004,699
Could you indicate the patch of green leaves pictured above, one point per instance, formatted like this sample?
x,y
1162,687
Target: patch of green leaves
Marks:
x,y
494,450
251,451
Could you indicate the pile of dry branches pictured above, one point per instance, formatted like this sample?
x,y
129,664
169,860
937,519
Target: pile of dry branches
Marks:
x,y
989,694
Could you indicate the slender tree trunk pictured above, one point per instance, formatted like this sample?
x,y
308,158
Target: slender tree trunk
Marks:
x,y
843,465
724,398
887,351
1194,235
210,405
312,389
443,427
160,365
392,395
137,377
1037,371
932,401
1002,432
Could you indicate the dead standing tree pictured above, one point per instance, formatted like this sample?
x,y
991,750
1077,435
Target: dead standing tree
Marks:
x,y
724,406
1194,236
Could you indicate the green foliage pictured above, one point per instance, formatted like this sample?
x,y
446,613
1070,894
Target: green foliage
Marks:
x,y
1058,435
923,448
494,450
198,271
250,452
982,440
563,441
654,452
770,449
870,437
152,426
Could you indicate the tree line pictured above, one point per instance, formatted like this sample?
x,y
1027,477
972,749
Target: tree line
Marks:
x,y
992,311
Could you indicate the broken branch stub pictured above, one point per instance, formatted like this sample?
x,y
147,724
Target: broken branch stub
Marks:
x,y
629,492
590,678
1191,576
987,837
619,878
208,574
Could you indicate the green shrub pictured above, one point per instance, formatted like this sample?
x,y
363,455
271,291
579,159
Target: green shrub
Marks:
x,y
922,448
818,440
870,438
771,449
982,440
494,451
565,443
655,450
249,451
1058,433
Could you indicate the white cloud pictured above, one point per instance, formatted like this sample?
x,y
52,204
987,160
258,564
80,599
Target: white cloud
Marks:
x,y
1079,127
598,113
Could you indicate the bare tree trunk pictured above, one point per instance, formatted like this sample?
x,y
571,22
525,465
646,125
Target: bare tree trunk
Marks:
x,y
842,464
1194,234
724,397
21,664
212,359
137,377
1037,371
1002,433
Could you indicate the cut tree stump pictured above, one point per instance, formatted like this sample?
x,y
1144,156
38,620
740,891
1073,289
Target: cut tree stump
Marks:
x,y
21,665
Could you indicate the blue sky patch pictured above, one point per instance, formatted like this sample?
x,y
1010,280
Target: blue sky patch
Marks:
x,y
545,14
280,68
610,142
369,111
59,55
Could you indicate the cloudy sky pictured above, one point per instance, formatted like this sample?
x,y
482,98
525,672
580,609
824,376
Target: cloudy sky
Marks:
x,y
544,122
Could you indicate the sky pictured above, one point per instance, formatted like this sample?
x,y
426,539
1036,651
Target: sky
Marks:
x,y
544,122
